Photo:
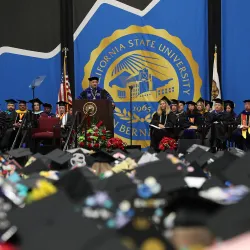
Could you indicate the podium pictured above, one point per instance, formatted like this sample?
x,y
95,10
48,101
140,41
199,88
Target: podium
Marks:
x,y
101,110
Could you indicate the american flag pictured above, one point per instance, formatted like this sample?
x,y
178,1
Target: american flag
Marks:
x,y
65,91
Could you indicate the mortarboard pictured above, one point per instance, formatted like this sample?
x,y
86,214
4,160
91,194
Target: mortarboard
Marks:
x,y
238,171
36,100
118,186
135,154
213,182
218,100
92,178
11,101
59,159
191,102
22,101
209,102
201,100
174,102
58,226
99,156
31,182
246,101
169,176
182,102
47,105
62,103
75,185
93,78
231,221
190,208
165,99
218,167
35,167
20,152
230,103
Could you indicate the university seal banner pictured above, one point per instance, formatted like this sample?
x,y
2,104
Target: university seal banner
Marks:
x,y
156,52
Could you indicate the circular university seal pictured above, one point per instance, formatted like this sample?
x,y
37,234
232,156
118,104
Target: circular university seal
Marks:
x,y
89,108
155,63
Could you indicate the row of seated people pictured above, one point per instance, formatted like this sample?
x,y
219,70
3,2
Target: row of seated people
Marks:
x,y
212,122
11,119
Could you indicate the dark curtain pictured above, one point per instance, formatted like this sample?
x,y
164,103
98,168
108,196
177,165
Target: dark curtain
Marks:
x,y
214,36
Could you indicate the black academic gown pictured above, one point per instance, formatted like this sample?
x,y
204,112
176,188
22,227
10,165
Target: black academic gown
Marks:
x,y
219,127
237,136
66,123
156,135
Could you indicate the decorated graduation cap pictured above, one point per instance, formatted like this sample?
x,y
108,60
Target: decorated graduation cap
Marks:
x,y
191,102
93,78
47,105
36,100
230,103
11,101
62,103
22,102
165,99
100,157
218,100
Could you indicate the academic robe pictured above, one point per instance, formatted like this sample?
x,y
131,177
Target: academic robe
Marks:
x,y
34,118
219,127
3,123
66,121
95,94
240,137
169,121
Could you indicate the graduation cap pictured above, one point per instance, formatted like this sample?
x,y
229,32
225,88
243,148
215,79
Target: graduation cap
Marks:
x,y
19,152
174,102
31,182
218,100
201,100
62,103
218,167
169,176
75,185
59,159
36,100
231,221
230,103
35,167
165,99
93,78
209,102
248,100
213,182
182,102
238,171
135,154
191,102
190,208
47,105
11,101
58,226
119,186
22,102
99,156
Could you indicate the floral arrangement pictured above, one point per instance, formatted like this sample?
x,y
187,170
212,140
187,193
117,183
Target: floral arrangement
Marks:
x,y
115,143
167,143
96,136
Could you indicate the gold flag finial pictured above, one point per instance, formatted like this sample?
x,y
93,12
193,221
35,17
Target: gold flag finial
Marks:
x,y
215,48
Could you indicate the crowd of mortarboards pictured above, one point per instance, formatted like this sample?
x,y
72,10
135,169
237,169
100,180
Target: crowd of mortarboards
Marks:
x,y
215,123
125,200
13,118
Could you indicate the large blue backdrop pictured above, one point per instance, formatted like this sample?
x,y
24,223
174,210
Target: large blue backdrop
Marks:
x,y
235,51
161,50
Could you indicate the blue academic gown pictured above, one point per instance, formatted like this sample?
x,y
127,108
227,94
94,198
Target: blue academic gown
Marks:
x,y
95,94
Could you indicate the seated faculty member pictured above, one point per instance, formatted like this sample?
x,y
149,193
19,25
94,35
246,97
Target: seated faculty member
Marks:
x,y
94,92
165,120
